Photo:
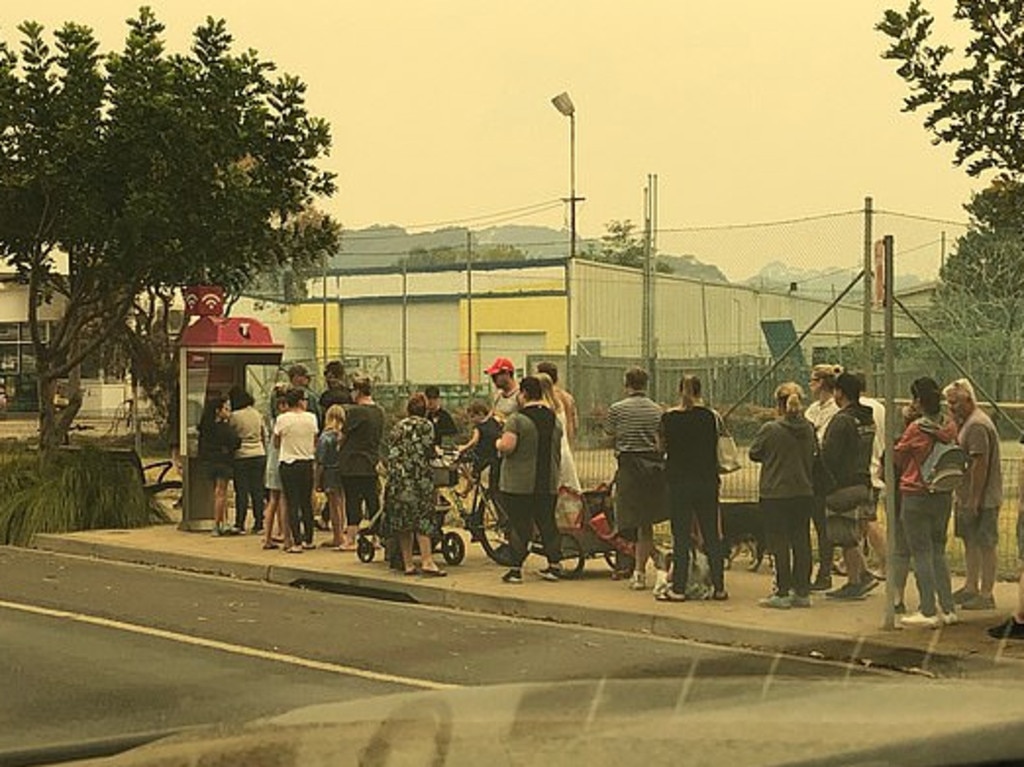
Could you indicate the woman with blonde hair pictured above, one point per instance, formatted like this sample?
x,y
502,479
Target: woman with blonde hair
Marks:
x,y
823,406
328,475
785,448
567,476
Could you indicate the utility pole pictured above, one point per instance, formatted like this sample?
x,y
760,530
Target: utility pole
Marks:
x,y
868,295
469,310
942,251
646,329
405,323
889,467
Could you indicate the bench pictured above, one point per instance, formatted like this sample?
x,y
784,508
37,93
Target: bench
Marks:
x,y
132,459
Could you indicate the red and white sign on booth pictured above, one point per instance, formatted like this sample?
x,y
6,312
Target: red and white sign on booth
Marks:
x,y
204,301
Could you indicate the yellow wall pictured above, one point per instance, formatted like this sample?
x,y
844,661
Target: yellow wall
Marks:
x,y
312,316
529,314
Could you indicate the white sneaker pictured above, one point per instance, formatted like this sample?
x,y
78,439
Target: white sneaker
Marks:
x,y
920,620
638,582
661,583
950,619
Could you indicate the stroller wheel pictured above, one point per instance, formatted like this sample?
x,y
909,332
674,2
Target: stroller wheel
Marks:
x,y
453,548
365,550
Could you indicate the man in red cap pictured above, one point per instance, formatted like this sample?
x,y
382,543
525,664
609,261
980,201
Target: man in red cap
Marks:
x,y
506,400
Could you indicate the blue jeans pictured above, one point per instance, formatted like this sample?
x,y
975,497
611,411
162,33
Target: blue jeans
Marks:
x,y
925,521
683,508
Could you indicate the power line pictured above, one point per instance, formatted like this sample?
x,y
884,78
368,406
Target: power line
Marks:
x,y
526,209
929,219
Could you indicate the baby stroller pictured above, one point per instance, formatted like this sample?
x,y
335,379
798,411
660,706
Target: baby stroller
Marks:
x,y
447,543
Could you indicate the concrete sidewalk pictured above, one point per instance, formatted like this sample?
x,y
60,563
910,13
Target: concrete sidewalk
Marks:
x,y
831,630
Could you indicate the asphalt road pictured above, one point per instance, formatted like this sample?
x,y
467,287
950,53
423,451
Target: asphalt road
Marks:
x,y
96,649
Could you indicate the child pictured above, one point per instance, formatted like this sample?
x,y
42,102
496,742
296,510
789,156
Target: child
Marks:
x,y
486,431
328,476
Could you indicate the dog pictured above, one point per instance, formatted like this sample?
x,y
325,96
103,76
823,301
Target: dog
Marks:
x,y
743,530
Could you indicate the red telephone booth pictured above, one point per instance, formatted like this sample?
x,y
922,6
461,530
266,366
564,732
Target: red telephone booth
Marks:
x,y
215,355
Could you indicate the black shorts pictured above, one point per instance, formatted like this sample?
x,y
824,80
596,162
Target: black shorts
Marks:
x,y
215,471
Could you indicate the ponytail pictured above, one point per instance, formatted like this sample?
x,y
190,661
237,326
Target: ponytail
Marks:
x,y
789,397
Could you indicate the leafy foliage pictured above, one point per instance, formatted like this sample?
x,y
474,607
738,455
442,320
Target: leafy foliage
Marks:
x,y
974,101
622,246
445,254
147,171
81,490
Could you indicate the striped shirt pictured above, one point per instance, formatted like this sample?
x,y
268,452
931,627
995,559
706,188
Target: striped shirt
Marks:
x,y
634,423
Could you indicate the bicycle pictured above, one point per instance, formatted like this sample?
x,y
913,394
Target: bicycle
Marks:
x,y
468,493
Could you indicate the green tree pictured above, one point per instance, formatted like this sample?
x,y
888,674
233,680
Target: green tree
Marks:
x,y
444,255
621,245
146,171
978,309
972,99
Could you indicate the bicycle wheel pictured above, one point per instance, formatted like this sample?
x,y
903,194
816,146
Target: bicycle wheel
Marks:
x,y
494,531
574,559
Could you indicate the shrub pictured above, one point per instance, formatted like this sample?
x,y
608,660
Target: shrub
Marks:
x,y
68,491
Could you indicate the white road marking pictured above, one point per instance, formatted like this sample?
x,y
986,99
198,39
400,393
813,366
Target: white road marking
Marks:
x,y
213,644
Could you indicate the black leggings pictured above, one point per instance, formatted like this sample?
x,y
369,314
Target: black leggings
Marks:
x,y
683,509
525,511
788,529
297,484
360,490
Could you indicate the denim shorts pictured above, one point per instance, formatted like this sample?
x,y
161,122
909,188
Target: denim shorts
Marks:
x,y
981,529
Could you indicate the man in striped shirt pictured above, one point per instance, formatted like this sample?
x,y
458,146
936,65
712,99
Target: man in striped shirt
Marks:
x,y
639,482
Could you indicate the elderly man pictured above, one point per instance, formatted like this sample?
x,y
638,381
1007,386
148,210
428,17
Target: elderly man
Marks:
x,y
978,498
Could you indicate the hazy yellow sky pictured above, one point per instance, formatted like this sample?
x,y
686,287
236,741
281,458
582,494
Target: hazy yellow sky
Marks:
x,y
747,110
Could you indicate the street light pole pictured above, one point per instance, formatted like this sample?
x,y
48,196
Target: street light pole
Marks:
x,y
564,105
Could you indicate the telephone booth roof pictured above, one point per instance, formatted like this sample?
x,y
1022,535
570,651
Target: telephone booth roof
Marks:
x,y
233,335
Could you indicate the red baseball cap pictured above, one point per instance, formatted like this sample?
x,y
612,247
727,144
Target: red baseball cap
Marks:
x,y
501,365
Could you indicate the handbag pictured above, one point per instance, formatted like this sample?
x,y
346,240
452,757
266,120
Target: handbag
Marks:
x,y
728,453
569,510
848,498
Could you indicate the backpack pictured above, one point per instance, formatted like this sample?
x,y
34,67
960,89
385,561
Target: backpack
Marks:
x,y
944,468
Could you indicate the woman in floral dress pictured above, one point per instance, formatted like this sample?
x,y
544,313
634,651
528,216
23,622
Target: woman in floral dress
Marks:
x,y
409,496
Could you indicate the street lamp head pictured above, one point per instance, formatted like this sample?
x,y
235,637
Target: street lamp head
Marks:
x,y
564,104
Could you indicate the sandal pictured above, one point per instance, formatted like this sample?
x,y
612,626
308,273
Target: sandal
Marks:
x,y
267,546
434,573
411,573
720,596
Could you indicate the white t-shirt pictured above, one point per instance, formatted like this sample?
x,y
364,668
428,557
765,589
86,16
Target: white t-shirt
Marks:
x,y
878,446
819,414
297,430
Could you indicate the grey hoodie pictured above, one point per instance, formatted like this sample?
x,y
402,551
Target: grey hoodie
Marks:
x,y
785,449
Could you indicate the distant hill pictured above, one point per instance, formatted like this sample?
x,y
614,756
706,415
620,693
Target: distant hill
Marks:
x,y
816,283
386,245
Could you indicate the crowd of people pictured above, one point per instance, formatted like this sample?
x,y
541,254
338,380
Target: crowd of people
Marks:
x,y
820,468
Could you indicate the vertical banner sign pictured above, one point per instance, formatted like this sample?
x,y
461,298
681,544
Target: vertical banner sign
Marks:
x,y
880,275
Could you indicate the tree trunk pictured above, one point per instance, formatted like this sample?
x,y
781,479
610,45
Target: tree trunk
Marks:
x,y
55,422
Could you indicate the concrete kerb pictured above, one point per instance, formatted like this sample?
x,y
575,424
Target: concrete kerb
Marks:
x,y
60,544
699,628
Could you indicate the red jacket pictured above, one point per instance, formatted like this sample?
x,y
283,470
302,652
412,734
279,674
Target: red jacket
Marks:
x,y
913,448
